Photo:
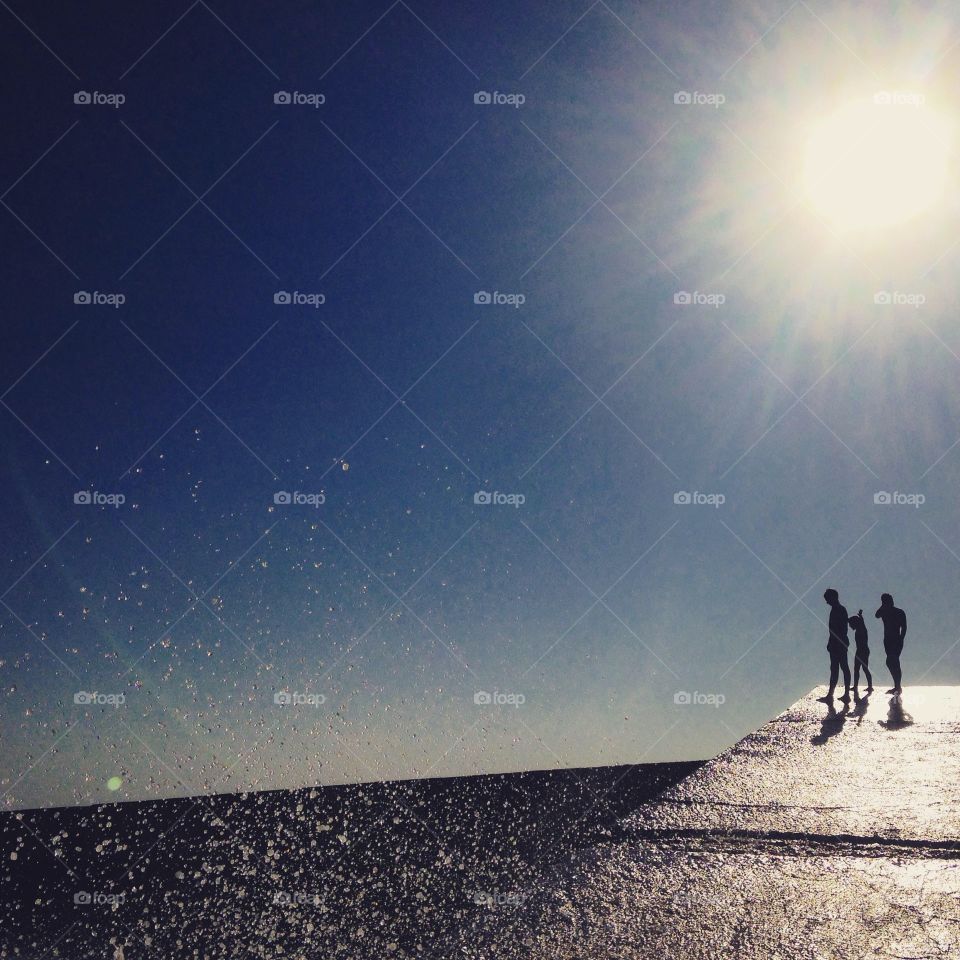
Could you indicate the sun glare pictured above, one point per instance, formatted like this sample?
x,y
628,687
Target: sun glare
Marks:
x,y
876,163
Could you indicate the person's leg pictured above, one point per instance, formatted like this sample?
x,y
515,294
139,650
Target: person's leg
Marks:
x,y
834,670
893,664
895,671
856,672
866,673
845,667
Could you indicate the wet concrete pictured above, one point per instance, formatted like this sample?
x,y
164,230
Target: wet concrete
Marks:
x,y
879,768
408,869
821,835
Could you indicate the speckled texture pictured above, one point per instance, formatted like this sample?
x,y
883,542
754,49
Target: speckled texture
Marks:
x,y
666,901
805,841
816,837
879,770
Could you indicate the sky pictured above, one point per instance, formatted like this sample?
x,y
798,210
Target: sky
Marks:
x,y
457,390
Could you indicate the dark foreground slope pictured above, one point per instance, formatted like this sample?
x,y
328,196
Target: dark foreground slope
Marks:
x,y
429,868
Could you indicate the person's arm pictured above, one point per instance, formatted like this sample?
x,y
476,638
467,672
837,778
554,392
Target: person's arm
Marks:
x,y
878,613
903,625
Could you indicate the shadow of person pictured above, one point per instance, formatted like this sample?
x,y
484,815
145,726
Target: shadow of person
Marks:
x,y
860,707
897,717
832,724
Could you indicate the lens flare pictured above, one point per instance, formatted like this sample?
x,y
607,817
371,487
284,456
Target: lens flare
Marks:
x,y
877,163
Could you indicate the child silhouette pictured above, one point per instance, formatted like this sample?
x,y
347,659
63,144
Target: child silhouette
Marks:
x,y
862,658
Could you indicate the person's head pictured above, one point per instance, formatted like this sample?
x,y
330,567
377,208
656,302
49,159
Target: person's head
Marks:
x,y
856,621
831,596
886,600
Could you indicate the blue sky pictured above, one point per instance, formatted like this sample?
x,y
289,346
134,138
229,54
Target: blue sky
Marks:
x,y
786,388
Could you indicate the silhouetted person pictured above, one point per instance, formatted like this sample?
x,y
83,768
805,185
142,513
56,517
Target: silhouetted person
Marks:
x,y
837,644
894,630
862,657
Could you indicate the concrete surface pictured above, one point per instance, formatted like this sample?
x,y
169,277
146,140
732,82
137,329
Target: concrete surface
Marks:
x,y
821,835
881,768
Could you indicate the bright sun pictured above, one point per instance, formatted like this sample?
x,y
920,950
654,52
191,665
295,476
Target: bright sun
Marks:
x,y
872,165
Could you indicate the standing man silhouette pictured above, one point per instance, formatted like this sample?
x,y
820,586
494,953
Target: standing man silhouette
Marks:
x,y
894,630
837,644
